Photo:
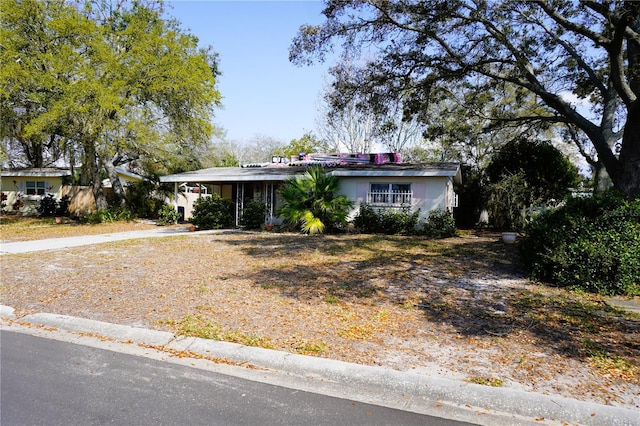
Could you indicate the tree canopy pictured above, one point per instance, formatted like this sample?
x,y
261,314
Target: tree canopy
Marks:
x,y
308,143
356,123
523,174
555,50
547,172
107,83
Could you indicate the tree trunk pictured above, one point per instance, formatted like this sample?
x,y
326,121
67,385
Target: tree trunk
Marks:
x,y
630,154
93,172
118,190
601,179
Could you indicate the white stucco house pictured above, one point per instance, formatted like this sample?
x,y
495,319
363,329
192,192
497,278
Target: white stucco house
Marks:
x,y
420,187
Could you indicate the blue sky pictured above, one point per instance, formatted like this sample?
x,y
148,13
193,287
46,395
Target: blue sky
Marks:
x,y
263,93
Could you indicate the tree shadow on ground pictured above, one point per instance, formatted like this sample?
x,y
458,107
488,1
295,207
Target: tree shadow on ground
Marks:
x,y
475,285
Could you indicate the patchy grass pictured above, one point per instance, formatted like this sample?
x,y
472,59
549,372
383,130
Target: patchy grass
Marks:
x,y
457,307
19,228
486,381
197,326
304,347
610,364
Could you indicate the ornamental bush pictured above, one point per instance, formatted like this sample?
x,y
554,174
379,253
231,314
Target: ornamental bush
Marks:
x,y
371,221
146,198
110,215
592,244
366,220
49,206
253,214
440,224
168,215
212,212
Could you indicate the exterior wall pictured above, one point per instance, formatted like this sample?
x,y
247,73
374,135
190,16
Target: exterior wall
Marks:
x,y
186,200
15,189
429,193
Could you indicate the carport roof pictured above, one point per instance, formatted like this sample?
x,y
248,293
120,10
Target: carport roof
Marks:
x,y
273,172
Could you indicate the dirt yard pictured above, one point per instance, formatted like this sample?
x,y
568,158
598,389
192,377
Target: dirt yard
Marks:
x,y
456,308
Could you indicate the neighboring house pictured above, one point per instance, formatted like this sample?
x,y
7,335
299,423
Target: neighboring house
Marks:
x,y
22,189
391,185
126,177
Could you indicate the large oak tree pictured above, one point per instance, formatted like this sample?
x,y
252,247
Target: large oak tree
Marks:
x,y
109,81
556,50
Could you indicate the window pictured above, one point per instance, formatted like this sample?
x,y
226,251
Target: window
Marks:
x,y
389,194
36,187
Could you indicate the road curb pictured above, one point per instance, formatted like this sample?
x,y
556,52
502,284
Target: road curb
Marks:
x,y
99,328
501,405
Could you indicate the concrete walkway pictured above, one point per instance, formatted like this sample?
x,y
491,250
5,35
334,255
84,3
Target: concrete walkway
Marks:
x,y
84,240
631,304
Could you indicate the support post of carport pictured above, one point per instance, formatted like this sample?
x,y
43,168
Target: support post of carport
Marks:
x,y
175,195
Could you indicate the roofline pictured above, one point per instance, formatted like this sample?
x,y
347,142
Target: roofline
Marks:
x,y
35,173
129,174
392,173
227,178
456,174
258,174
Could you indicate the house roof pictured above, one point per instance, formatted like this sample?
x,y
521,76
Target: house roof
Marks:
x,y
123,175
279,172
36,172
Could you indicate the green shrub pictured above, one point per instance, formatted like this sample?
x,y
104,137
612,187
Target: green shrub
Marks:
x,y
399,222
367,220
146,198
253,214
63,206
48,206
592,244
110,215
440,224
371,221
212,212
507,203
168,215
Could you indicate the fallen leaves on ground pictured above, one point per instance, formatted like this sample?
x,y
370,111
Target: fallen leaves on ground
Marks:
x,y
456,308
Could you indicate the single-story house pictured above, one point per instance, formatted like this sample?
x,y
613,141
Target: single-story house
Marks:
x,y
22,189
384,185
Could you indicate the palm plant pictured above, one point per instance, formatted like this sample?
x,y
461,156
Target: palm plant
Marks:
x,y
310,202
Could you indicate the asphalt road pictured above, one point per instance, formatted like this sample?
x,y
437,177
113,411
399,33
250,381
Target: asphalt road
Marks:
x,y
49,382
